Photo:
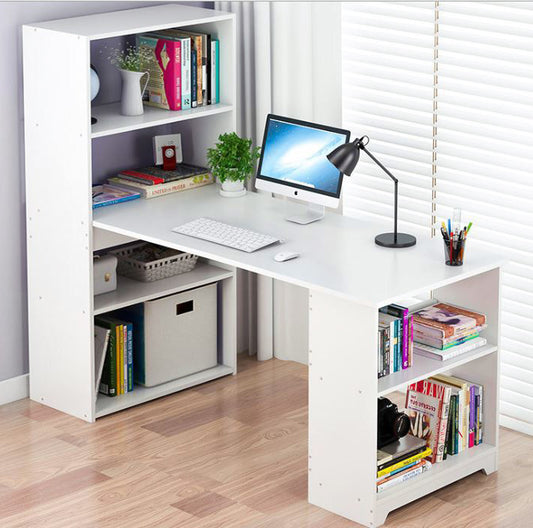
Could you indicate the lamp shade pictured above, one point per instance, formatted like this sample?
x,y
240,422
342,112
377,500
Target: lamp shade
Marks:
x,y
345,157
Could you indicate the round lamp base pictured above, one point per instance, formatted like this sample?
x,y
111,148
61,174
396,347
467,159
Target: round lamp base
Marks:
x,y
402,240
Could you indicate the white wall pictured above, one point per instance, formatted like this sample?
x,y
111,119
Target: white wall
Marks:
x,y
13,318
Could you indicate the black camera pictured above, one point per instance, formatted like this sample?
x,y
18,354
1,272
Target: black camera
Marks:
x,y
392,424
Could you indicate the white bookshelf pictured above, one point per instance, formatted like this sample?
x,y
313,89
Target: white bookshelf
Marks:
x,y
61,239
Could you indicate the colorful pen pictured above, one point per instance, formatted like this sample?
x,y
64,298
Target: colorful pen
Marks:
x,y
468,228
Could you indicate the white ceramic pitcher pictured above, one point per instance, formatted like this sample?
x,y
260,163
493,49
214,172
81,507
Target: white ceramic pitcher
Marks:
x,y
131,102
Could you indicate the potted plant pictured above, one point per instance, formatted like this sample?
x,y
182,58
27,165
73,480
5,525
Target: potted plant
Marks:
x,y
132,63
232,161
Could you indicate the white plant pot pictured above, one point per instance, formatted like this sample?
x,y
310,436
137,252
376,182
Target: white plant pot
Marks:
x,y
131,101
232,189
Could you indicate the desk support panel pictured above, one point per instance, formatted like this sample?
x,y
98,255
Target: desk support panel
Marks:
x,y
342,407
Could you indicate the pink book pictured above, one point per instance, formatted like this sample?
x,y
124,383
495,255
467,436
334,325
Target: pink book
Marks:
x,y
168,55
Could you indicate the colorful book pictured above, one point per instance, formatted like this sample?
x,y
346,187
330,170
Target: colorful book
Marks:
x,y
194,78
403,334
425,414
443,355
101,342
208,71
164,85
442,392
215,71
153,191
404,463
109,195
125,357
444,320
154,175
129,362
421,336
386,319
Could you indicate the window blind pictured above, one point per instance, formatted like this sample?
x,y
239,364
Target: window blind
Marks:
x,y
444,90
387,88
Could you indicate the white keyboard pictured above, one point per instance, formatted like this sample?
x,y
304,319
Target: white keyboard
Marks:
x,y
225,234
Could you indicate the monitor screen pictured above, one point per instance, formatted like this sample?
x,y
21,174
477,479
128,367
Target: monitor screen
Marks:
x,y
294,154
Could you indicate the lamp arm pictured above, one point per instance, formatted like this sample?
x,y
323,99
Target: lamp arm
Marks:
x,y
361,145
377,162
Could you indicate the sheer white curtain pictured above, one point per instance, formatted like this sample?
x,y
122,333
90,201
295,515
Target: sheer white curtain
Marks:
x,y
288,63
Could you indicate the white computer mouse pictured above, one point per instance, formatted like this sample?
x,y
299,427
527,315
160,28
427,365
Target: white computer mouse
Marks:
x,y
286,255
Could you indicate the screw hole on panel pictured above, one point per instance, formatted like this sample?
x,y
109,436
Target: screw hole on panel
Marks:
x,y
320,483
310,351
42,399
360,391
310,364
371,511
358,499
321,378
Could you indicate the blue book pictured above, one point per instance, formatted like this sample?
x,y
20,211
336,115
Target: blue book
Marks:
x,y
109,195
194,80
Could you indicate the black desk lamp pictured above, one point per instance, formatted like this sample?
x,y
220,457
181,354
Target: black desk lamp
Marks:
x,y
345,158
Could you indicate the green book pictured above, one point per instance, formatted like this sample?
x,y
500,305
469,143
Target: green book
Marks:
x,y
108,381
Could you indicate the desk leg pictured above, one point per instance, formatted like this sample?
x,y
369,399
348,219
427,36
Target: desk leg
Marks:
x,y
342,407
265,321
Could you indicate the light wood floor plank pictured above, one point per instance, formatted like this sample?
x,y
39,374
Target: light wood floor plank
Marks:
x,y
228,454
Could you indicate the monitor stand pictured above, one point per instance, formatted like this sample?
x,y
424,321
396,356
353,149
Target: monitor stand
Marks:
x,y
313,213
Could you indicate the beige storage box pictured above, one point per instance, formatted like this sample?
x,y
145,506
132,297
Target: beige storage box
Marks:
x,y
180,336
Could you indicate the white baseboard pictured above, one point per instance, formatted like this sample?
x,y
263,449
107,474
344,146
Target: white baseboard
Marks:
x,y
13,389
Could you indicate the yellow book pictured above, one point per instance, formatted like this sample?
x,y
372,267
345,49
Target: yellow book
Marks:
x,y
118,330
427,452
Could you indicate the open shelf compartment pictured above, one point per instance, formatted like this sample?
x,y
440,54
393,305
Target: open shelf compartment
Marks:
x,y
108,405
424,367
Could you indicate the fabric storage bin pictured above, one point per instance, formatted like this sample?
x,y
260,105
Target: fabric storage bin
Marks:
x,y
178,337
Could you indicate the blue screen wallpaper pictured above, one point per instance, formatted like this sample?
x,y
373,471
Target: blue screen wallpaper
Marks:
x,y
297,154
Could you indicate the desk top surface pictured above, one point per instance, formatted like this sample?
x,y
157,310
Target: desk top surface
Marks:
x,y
338,254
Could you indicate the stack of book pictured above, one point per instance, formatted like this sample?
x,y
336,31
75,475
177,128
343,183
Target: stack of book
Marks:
x,y
117,372
184,69
395,339
400,461
446,412
151,182
443,331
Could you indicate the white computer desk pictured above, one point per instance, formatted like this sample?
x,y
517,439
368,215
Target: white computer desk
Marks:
x,y
348,278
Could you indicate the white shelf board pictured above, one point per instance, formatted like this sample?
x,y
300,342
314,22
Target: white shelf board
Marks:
x,y
132,21
424,367
107,405
130,291
110,121
446,472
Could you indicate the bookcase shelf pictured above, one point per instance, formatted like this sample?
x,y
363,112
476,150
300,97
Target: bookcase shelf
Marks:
x,y
107,405
130,291
110,121
424,367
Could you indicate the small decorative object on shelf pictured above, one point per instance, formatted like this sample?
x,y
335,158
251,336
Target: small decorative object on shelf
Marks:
x,y
149,262
95,88
132,63
232,160
454,239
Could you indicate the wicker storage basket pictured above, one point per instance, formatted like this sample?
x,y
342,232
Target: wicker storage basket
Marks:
x,y
147,262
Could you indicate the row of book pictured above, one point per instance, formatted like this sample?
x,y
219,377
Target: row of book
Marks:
x,y
446,416
401,460
117,372
395,339
184,69
154,181
443,331
447,412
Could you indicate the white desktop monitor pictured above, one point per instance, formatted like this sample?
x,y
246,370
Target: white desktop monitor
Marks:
x,y
294,163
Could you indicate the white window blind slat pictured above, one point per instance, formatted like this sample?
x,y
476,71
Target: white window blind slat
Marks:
x,y
444,91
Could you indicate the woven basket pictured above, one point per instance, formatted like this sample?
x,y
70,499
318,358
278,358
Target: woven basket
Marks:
x,y
147,262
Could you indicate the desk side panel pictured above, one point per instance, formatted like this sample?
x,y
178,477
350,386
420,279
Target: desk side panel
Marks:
x,y
59,217
342,407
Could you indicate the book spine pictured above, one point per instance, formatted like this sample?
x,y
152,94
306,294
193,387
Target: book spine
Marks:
x,y
218,72
404,463
480,414
380,353
108,384
194,78
204,70
397,346
443,426
113,202
185,73
117,358
125,358
214,86
141,177
448,430
477,421
411,341
177,74
386,350
208,71
472,416
130,357
405,339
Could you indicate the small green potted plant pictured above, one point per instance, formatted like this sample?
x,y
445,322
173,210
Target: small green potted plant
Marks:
x,y
232,161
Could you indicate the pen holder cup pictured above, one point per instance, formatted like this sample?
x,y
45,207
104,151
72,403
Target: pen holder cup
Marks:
x,y
454,257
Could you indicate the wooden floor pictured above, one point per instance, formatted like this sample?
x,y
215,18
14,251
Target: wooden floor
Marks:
x,y
231,453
